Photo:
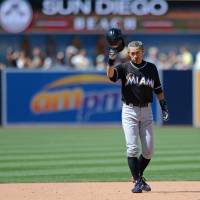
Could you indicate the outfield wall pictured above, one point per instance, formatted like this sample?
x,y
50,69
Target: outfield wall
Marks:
x,y
179,94
60,97
196,99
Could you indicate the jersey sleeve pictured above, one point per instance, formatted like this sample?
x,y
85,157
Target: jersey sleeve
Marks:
x,y
118,73
157,84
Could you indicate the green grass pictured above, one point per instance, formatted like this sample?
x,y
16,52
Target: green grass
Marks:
x,y
93,154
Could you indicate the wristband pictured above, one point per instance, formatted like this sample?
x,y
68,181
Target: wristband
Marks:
x,y
163,104
111,62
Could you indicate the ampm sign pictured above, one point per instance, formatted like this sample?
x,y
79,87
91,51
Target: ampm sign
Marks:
x,y
60,97
86,94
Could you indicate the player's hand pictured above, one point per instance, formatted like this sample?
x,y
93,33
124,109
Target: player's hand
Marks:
x,y
112,54
165,115
165,112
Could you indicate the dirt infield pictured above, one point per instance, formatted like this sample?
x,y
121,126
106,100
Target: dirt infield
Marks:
x,y
99,191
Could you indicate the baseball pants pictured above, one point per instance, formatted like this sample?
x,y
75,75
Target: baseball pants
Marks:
x,y
137,125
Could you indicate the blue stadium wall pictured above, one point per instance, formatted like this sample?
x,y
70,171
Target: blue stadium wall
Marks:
x,y
35,97
54,97
178,87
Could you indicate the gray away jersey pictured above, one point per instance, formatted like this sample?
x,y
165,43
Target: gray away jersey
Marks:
x,y
138,81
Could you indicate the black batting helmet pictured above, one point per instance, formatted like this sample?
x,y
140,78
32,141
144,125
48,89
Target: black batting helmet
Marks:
x,y
115,39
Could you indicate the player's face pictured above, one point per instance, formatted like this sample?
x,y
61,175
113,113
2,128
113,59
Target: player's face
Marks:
x,y
136,54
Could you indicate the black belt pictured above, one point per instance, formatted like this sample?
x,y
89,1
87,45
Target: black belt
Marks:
x,y
137,104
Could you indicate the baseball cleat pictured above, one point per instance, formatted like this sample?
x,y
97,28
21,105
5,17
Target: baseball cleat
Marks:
x,y
138,186
141,185
145,186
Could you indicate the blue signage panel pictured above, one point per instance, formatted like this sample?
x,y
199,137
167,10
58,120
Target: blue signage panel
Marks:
x,y
178,92
62,97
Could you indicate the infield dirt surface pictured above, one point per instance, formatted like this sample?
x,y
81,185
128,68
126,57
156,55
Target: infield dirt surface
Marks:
x,y
189,190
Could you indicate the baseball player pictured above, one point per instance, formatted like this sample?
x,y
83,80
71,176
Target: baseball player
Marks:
x,y
139,79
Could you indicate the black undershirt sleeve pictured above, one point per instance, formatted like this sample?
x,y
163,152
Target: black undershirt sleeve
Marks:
x,y
117,73
114,78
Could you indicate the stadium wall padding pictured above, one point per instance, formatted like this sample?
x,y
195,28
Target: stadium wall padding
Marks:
x,y
61,97
57,97
196,100
178,87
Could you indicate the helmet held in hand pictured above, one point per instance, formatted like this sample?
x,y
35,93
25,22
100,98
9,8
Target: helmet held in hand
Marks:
x,y
115,39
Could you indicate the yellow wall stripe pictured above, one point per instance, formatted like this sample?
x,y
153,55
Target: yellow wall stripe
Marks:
x,y
198,97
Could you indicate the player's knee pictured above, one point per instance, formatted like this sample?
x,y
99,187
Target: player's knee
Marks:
x,y
147,154
132,151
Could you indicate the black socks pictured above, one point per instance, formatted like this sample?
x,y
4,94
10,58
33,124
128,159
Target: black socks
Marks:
x,y
137,166
134,167
143,162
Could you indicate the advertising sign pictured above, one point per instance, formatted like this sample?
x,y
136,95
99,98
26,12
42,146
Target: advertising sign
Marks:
x,y
35,97
15,15
96,16
52,97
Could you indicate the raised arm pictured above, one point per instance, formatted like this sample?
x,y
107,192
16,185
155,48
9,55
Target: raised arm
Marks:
x,y
110,66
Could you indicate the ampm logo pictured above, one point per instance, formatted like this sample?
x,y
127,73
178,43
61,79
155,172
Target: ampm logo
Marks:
x,y
82,95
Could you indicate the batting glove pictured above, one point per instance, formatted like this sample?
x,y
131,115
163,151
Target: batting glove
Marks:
x,y
112,54
165,112
165,115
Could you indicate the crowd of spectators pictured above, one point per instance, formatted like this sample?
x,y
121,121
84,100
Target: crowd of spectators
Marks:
x,y
76,57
